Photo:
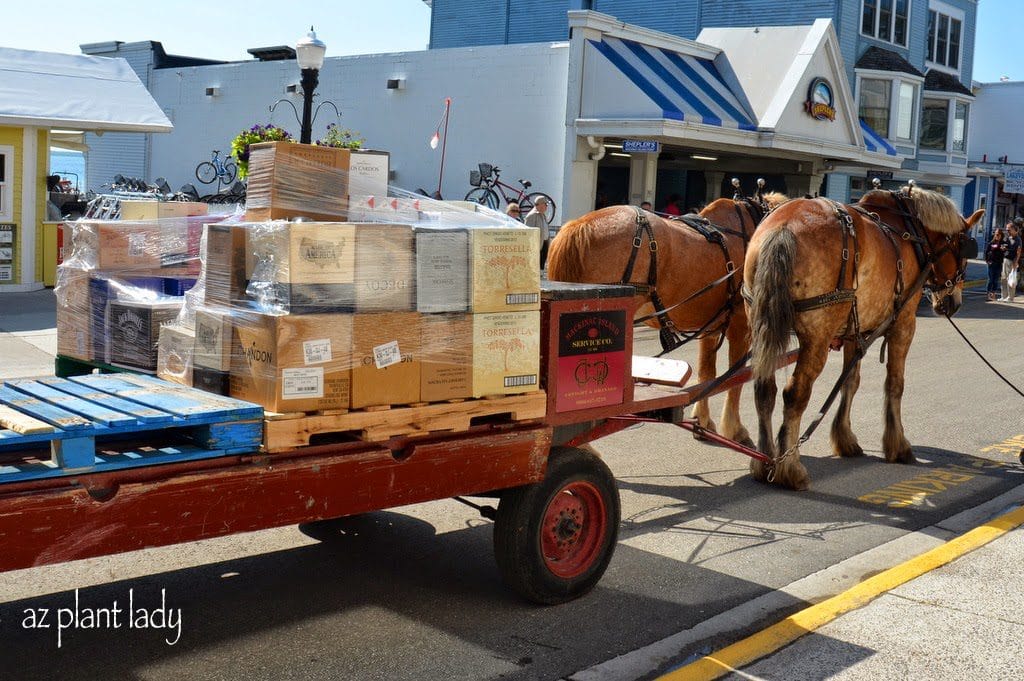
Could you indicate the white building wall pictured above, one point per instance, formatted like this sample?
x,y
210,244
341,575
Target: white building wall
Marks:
x,y
994,129
508,104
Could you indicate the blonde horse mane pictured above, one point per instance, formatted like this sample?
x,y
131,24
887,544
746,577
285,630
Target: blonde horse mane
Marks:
x,y
774,199
936,211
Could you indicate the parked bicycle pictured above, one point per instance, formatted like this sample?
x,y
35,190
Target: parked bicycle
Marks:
x,y
488,185
216,169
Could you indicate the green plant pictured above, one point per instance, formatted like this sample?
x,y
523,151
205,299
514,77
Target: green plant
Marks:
x,y
341,138
253,135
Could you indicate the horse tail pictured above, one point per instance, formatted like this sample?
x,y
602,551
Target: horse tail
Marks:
x,y
771,310
565,255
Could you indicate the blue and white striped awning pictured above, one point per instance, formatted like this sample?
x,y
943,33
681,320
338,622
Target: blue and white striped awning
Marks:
x,y
875,142
686,88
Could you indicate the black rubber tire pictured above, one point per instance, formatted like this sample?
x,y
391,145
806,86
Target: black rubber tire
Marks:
x,y
206,172
483,196
530,199
519,528
230,172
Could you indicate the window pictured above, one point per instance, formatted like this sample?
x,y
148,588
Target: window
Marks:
x,y
944,39
934,121
874,104
6,201
885,20
960,127
905,111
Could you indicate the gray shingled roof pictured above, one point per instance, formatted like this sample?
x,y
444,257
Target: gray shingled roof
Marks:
x,y
943,82
877,59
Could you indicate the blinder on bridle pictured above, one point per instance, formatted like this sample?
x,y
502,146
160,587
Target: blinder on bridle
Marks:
x,y
969,248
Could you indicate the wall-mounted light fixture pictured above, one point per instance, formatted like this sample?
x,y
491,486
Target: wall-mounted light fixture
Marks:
x,y
291,88
396,83
701,157
213,92
619,153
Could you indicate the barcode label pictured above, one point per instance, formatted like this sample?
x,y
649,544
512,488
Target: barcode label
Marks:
x,y
136,245
387,354
299,383
6,273
521,298
317,351
519,381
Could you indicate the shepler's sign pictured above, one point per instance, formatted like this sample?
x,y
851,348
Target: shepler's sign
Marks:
x,y
821,101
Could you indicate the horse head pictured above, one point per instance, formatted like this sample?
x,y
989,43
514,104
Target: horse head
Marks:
x,y
945,236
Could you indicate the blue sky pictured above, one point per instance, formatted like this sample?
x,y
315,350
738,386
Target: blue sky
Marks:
x,y
225,29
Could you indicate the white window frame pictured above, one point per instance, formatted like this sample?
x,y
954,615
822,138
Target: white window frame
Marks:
x,y
951,12
7,186
951,101
892,22
895,79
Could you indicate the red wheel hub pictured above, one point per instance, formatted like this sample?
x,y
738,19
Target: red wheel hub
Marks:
x,y
575,523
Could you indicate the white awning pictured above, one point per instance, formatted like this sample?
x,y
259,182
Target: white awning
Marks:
x,y
47,89
70,140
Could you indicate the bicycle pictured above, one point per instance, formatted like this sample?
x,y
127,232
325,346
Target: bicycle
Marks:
x,y
487,186
216,169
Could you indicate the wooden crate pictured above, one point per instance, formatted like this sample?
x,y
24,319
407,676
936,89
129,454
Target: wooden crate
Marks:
x,y
283,432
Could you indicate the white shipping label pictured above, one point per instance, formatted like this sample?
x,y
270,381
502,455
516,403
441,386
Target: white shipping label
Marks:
x,y
387,354
300,383
136,245
317,351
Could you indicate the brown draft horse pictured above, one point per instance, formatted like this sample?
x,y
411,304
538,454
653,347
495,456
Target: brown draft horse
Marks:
x,y
596,248
837,274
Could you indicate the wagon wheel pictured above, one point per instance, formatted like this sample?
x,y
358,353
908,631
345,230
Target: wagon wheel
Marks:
x,y
554,539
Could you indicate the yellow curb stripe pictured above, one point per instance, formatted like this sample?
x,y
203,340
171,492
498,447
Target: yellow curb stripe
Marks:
x,y
778,635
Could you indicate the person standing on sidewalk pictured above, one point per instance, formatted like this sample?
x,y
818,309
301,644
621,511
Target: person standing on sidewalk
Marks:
x,y
1011,261
994,260
537,218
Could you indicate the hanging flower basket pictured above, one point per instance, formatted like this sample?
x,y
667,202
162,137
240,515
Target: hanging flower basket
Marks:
x,y
340,138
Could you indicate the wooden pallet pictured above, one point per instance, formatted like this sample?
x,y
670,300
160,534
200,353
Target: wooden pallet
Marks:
x,y
54,426
283,432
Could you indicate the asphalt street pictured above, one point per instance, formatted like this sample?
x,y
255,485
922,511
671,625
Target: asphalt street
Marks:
x,y
706,556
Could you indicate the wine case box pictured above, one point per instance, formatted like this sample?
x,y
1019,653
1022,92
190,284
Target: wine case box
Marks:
x,y
159,248
385,268
506,353
505,269
213,339
292,362
74,314
133,329
174,354
155,210
386,359
442,270
446,353
288,180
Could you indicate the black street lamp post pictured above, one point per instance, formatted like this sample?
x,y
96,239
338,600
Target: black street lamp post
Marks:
x,y
309,52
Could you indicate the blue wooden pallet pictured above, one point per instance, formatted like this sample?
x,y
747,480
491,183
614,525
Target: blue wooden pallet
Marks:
x,y
104,422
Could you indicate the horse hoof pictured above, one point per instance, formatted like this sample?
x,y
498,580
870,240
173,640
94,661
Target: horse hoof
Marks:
x,y
851,452
904,456
758,470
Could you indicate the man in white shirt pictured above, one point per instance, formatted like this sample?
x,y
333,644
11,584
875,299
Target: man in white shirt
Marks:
x,y
537,217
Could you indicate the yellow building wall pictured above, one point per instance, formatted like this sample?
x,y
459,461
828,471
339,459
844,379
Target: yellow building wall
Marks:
x,y
43,168
14,137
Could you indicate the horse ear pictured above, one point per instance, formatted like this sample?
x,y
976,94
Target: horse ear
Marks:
x,y
975,217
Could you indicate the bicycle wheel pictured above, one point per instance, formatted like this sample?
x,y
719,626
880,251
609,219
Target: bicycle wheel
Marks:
x,y
483,196
530,199
206,172
229,173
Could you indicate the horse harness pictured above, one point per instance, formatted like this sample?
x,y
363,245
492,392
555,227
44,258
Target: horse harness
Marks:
x,y
670,336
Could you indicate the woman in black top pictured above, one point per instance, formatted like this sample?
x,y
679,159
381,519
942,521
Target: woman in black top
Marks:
x,y
994,257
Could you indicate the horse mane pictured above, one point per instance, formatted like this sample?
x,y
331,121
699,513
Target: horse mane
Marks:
x,y
565,257
936,211
774,199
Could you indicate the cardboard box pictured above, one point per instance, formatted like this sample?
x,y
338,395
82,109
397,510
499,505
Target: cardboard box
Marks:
x,y
213,339
368,172
386,359
506,353
154,210
211,380
133,328
225,258
159,248
383,208
442,270
305,267
385,266
105,287
174,354
74,314
446,353
289,180
292,362
505,269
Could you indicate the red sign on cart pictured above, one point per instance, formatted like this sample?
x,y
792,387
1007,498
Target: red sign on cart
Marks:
x,y
591,359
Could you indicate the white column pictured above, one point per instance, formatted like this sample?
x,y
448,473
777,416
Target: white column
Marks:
x,y
643,175
27,228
